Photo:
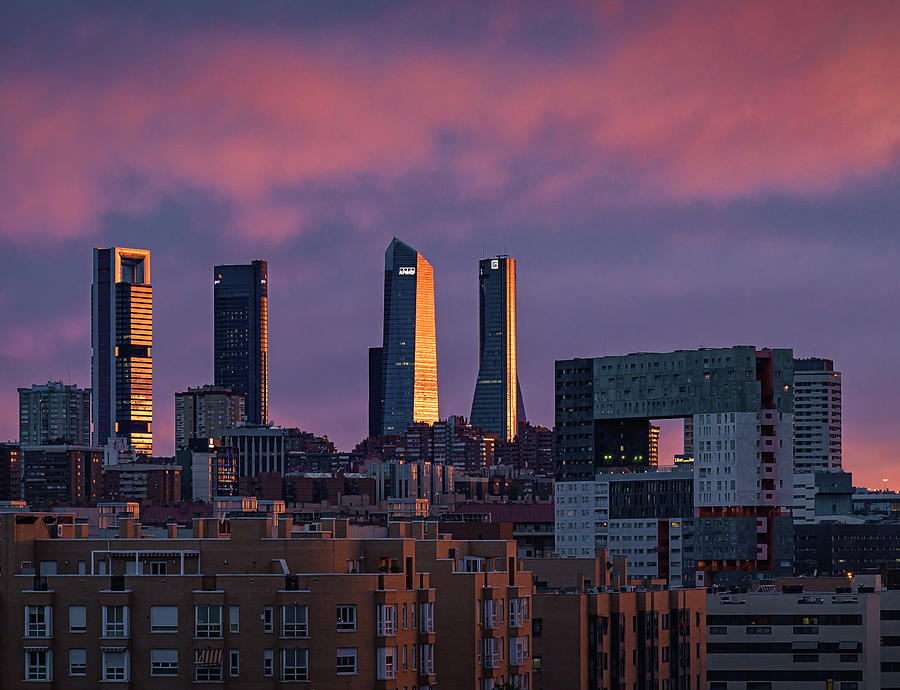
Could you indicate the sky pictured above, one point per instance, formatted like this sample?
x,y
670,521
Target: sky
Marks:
x,y
668,175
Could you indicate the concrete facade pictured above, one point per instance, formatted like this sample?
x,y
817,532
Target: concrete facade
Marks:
x,y
206,412
817,415
53,412
793,640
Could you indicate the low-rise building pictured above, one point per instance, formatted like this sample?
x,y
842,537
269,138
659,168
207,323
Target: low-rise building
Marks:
x,y
803,634
62,474
590,633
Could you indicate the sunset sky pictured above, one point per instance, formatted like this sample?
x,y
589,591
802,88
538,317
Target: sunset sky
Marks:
x,y
668,176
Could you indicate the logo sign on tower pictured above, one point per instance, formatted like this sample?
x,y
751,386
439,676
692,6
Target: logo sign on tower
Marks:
x,y
407,271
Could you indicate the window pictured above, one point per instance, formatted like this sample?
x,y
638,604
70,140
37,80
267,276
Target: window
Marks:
x,y
426,656
491,652
518,612
346,618
163,662
489,613
163,619
269,661
426,617
404,616
208,664
115,621
115,664
294,621
37,621
518,650
77,662
208,621
77,619
234,663
234,619
387,669
294,664
268,619
346,661
157,567
387,620
37,664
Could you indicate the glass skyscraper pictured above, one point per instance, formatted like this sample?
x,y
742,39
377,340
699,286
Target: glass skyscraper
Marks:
x,y
497,404
121,338
409,348
241,334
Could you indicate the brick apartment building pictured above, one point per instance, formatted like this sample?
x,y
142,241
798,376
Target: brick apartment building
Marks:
x,y
258,603
588,635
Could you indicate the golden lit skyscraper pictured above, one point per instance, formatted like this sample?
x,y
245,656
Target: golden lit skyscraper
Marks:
x,y
409,350
121,337
497,404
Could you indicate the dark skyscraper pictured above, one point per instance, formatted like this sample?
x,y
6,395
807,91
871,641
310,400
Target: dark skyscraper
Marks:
x,y
409,369
376,390
497,404
241,334
121,337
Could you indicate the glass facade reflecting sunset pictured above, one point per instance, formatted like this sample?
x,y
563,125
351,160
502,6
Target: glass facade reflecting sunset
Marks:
x,y
241,334
497,404
122,338
409,370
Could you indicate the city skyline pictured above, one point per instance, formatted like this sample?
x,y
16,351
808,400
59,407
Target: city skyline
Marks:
x,y
675,212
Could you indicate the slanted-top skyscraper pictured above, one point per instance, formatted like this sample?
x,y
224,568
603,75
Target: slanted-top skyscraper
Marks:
x,y
121,337
497,404
409,350
241,334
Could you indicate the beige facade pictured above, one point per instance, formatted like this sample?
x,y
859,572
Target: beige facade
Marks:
x,y
258,603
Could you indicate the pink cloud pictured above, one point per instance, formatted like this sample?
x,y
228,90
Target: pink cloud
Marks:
x,y
709,101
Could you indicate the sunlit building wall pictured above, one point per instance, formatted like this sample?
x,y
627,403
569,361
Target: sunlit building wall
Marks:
x,y
497,404
409,345
241,334
121,337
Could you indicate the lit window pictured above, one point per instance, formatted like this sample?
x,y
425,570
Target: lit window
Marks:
x,y
346,618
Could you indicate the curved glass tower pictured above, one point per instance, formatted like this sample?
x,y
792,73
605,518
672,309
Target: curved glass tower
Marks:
x,y
497,404
409,349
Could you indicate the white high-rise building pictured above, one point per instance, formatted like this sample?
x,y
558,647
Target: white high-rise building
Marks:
x,y
817,415
728,459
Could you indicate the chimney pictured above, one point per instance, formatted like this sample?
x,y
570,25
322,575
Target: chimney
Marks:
x,y
172,530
